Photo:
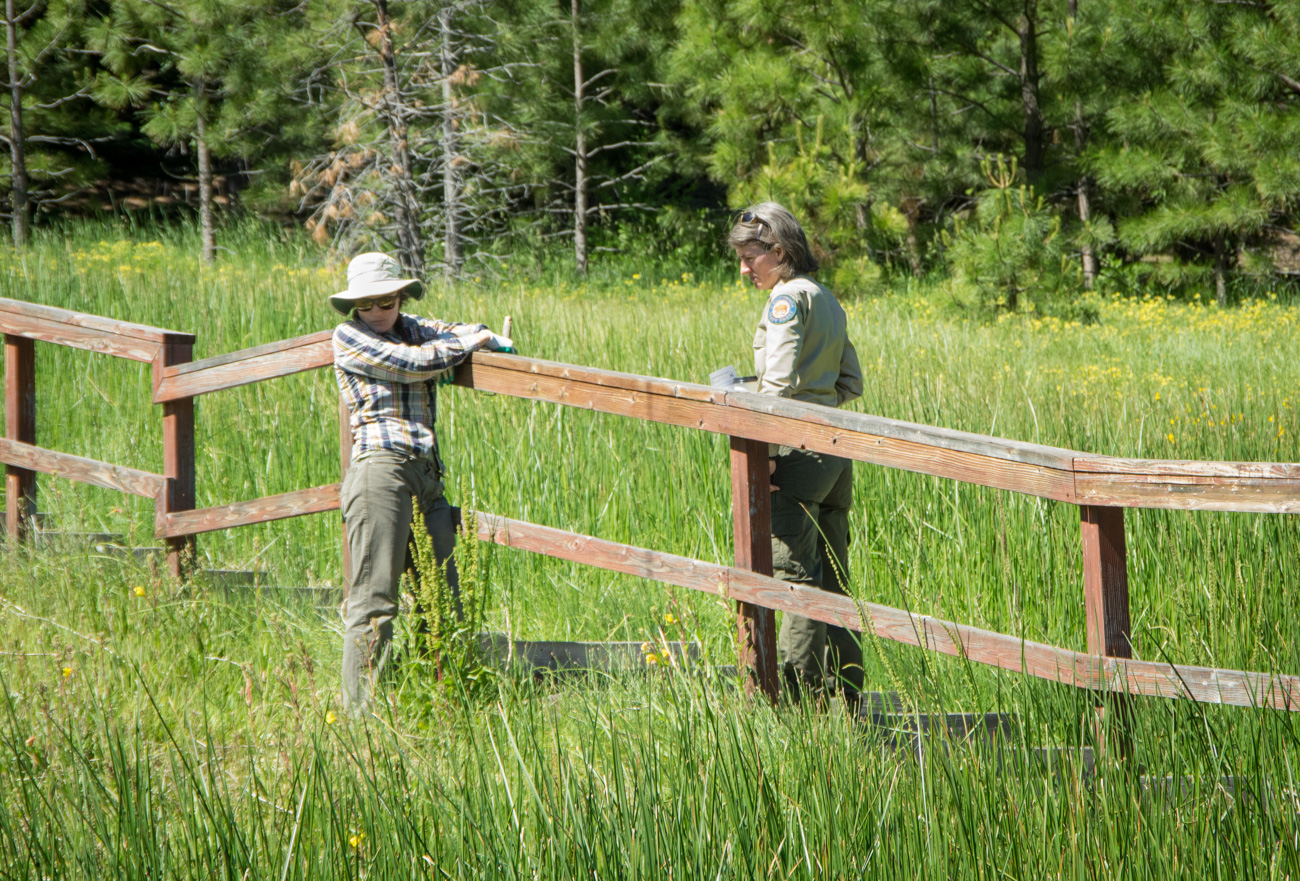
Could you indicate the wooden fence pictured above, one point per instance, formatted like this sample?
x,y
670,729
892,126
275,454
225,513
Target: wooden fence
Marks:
x,y
1102,487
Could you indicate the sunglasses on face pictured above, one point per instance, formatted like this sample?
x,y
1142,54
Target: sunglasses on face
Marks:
x,y
378,303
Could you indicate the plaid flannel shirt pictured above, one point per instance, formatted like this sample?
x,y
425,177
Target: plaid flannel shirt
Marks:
x,y
389,380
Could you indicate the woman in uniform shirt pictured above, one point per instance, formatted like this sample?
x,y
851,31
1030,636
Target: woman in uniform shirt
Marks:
x,y
802,351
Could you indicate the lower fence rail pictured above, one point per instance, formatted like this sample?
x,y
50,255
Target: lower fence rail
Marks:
x,y
1080,669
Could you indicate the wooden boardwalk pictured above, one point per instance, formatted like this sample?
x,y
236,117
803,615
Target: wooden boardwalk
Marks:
x,y
1101,487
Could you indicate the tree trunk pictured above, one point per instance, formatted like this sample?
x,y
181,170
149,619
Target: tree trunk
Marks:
x,y
450,152
1085,203
1081,189
205,174
580,152
405,205
911,207
17,137
1029,76
1221,268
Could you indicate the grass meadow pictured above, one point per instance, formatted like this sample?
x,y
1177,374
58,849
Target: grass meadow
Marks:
x,y
156,730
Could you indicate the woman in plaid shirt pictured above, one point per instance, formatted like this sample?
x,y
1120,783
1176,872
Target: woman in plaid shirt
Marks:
x,y
387,364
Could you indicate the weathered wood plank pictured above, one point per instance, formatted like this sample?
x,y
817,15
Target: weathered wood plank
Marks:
x,y
89,338
998,473
178,460
607,378
1247,494
118,477
751,503
1105,581
708,416
308,355
1188,468
1003,464
878,426
20,427
1106,606
279,507
249,353
862,423
52,314
501,651
995,649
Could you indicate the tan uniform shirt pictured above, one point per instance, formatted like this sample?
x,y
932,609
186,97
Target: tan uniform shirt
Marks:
x,y
802,348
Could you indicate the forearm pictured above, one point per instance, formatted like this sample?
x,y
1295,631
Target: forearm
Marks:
x,y
374,357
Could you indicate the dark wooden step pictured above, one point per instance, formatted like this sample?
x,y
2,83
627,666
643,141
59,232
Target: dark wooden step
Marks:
x,y
232,578
40,517
571,657
63,540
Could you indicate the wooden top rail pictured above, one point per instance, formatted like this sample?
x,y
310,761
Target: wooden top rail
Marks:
x,y
234,369
1047,472
1259,487
139,342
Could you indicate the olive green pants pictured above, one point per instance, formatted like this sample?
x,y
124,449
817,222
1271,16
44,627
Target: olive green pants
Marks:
x,y
377,506
810,545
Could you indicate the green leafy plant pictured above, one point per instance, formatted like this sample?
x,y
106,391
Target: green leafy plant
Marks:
x,y
448,621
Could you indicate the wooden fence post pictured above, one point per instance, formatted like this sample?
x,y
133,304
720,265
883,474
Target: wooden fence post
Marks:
x,y
751,504
178,456
345,462
1105,590
20,425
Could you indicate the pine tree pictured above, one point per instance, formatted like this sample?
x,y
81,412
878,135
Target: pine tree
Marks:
x,y
903,98
797,108
53,124
582,101
413,155
1201,160
198,70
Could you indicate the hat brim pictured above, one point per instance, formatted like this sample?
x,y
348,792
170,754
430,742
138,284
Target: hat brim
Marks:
x,y
409,287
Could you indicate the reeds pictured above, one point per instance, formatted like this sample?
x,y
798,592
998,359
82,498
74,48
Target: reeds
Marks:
x,y
195,734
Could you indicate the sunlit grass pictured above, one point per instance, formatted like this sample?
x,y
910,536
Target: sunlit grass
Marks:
x,y
201,729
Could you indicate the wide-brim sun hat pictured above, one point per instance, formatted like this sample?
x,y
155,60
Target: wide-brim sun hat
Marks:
x,y
375,274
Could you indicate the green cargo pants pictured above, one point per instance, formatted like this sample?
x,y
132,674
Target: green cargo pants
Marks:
x,y
377,509
810,545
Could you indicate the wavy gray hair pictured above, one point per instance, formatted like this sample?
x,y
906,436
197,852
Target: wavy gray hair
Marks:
x,y
768,225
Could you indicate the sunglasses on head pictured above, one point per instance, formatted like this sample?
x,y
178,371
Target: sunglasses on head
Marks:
x,y
751,217
377,303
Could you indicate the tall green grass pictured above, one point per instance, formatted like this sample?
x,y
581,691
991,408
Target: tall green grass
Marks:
x,y
161,733
191,734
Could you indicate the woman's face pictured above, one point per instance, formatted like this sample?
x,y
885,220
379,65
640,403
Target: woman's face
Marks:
x,y
378,319
761,266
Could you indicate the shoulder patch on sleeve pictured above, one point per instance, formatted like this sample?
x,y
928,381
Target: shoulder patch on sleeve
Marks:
x,y
782,309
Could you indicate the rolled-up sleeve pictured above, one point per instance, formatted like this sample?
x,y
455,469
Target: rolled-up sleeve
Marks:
x,y
360,350
849,385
